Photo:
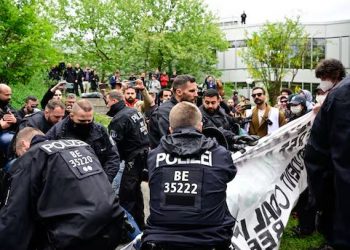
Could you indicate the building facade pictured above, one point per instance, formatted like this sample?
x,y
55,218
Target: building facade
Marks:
x,y
327,40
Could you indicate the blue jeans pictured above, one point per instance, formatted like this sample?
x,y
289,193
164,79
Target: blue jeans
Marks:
x,y
118,178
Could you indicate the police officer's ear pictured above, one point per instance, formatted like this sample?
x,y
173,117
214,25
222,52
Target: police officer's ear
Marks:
x,y
22,146
199,126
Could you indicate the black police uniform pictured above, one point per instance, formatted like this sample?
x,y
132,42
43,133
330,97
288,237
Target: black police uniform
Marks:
x,y
188,176
36,120
159,122
96,136
60,198
128,129
327,163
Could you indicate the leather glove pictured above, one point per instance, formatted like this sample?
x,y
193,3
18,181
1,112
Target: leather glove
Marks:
x,y
250,140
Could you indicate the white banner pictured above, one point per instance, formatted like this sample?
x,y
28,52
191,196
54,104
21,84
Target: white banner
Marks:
x,y
270,177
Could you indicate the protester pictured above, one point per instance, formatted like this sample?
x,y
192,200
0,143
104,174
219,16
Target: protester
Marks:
x,y
188,207
265,119
308,96
298,107
30,106
286,92
79,80
59,198
44,120
70,76
164,96
54,92
69,102
164,80
327,156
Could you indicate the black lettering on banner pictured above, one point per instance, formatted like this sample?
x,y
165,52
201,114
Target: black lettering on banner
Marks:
x,y
254,244
245,230
181,188
261,223
278,227
268,213
287,203
267,240
274,205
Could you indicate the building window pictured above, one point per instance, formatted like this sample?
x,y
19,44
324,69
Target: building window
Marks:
x,y
238,44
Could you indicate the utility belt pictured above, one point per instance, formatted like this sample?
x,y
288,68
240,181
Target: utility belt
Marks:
x,y
142,152
160,246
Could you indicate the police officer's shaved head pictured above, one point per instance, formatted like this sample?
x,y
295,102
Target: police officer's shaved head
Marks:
x,y
82,104
185,114
24,138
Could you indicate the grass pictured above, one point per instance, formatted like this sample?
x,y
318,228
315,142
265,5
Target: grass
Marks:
x,y
290,242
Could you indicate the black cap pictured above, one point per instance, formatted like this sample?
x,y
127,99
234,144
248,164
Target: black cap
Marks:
x,y
298,99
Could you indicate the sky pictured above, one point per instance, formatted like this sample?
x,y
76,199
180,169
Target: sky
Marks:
x,y
260,11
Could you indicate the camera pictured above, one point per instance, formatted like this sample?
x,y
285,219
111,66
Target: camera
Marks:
x,y
247,106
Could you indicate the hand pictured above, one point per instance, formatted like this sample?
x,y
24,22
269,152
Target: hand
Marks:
x,y
59,85
139,84
4,124
10,118
316,108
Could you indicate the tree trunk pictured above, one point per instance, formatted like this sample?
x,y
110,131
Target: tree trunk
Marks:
x,y
274,92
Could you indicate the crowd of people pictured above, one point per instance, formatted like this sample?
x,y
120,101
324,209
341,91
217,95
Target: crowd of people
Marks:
x,y
68,182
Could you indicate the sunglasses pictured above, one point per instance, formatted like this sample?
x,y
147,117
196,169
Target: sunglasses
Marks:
x,y
257,94
58,95
283,101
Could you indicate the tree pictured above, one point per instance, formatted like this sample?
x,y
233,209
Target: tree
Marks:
x,y
275,51
26,45
141,35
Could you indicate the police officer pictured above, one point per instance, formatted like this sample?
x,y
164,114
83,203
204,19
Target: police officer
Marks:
x,y
80,125
128,129
59,198
185,89
188,176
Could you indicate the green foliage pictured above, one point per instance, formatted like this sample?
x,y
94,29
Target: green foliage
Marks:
x,y
103,119
37,86
271,50
25,41
140,35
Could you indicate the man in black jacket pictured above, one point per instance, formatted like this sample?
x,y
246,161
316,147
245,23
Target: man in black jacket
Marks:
x,y
70,76
30,106
80,125
44,120
185,89
128,129
188,176
59,198
327,155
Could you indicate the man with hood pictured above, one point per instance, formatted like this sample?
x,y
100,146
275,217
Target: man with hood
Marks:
x,y
308,97
188,176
